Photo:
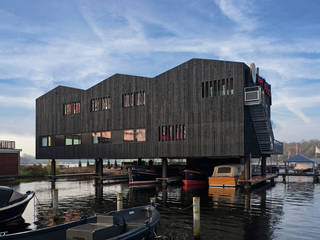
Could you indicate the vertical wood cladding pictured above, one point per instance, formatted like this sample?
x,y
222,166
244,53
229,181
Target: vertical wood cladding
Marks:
x,y
9,163
214,125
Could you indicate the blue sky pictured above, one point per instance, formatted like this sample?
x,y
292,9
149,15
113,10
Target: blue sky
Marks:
x,y
79,43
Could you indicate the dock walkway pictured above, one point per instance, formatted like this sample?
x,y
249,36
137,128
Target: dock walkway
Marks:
x,y
257,180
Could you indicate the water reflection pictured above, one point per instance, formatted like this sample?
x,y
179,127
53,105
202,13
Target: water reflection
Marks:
x,y
286,211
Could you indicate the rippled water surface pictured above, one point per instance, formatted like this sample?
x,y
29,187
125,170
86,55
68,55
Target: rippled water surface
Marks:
x,y
285,211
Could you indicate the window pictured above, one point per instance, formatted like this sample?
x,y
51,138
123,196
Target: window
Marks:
x,y
67,109
44,141
134,99
219,88
172,132
71,108
202,89
140,135
76,139
106,103
95,138
128,135
215,90
95,105
76,108
139,98
68,140
231,86
211,89
223,87
224,170
105,137
207,89
227,86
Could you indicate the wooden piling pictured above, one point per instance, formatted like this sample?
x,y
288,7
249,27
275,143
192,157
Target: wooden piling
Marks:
x,y
196,217
119,201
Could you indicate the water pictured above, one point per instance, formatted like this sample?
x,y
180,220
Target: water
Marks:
x,y
286,211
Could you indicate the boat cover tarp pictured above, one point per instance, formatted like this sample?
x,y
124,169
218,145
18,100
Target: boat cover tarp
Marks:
x,y
5,195
299,158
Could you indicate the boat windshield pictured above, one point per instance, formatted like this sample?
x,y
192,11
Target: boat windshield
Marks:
x,y
5,194
224,170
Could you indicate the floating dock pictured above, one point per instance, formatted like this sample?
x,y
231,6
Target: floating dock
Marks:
x,y
257,180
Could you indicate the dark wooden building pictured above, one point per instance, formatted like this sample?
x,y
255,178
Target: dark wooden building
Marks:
x,y
199,109
9,158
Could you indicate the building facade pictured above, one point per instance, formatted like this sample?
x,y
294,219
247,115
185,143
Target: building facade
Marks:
x,y
199,109
9,158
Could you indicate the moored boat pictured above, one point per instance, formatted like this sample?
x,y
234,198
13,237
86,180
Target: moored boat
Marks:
x,y
12,203
134,223
138,177
194,177
226,175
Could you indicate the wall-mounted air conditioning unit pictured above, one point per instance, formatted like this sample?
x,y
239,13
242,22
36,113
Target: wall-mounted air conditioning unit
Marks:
x,y
252,95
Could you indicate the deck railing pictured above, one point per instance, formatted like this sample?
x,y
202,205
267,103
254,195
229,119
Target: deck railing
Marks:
x,y
4,144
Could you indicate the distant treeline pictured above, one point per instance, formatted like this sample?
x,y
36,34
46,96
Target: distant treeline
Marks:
x,y
306,148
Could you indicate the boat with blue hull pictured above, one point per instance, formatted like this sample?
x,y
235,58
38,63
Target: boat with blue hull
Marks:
x,y
12,203
134,223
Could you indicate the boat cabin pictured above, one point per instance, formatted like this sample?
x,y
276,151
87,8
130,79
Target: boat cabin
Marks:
x,y
226,175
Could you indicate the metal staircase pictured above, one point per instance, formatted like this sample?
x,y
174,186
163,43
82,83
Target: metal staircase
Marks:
x,y
254,100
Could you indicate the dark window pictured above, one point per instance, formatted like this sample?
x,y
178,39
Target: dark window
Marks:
x,y
219,88
172,132
227,86
67,109
211,89
202,89
223,87
224,170
231,86
207,89
215,90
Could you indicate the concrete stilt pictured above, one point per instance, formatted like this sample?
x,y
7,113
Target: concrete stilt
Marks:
x,y
139,161
247,172
284,178
263,166
53,168
99,166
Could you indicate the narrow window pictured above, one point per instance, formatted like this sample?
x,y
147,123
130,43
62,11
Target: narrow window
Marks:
x,y
231,86
44,141
170,133
94,138
163,133
184,133
202,89
207,89
140,135
215,88
219,88
223,88
227,86
211,89
160,134
106,103
131,99
92,105
128,135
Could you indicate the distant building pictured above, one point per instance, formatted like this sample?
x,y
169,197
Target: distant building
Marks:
x,y
200,109
9,158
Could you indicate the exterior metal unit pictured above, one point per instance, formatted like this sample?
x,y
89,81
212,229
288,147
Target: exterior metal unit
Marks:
x,y
216,127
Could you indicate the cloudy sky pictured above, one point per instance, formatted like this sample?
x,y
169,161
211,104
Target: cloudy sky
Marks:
x,y
79,43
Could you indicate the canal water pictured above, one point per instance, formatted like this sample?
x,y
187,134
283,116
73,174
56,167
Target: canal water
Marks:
x,y
285,211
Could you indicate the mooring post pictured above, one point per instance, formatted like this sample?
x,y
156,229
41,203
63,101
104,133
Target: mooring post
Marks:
x,y
315,179
99,166
196,217
53,169
263,165
284,178
164,171
119,201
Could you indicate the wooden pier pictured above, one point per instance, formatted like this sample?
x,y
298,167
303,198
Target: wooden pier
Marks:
x,y
315,175
257,180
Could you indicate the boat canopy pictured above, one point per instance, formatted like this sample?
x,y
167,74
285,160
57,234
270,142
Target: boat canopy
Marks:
x,y
8,196
232,170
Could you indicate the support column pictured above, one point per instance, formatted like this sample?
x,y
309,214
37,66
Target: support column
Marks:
x,y
53,168
164,167
139,161
164,171
263,166
99,166
247,163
